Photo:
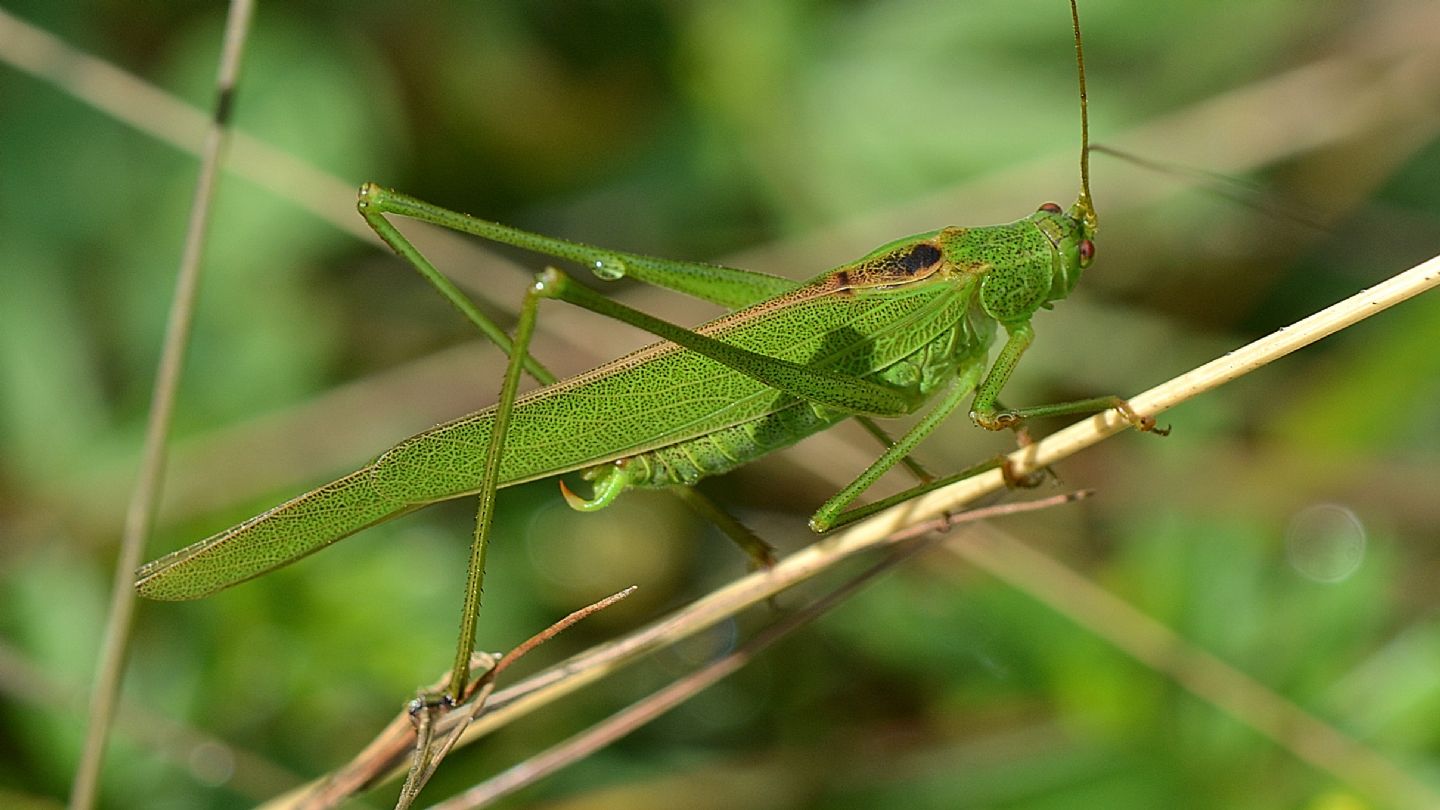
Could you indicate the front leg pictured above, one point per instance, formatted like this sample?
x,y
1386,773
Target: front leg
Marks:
x,y
987,412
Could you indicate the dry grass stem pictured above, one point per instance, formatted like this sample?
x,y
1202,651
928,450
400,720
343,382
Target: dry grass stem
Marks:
x,y
140,516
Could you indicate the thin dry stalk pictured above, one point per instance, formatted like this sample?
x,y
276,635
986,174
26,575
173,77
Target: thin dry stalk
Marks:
x,y
140,517
719,605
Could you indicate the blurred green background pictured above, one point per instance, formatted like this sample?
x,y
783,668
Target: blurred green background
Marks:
x,y
1289,526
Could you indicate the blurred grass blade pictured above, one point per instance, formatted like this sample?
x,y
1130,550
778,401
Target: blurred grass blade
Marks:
x,y
140,516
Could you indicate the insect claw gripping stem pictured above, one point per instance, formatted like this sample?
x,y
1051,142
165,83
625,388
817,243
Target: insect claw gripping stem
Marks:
x,y
1144,424
1029,480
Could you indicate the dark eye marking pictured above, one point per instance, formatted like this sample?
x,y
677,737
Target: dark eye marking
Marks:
x,y
920,257
1050,208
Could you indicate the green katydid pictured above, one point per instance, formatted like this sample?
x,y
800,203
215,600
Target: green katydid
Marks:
x,y
881,336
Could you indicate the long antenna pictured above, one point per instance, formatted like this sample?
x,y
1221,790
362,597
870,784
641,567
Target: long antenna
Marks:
x,y
1083,206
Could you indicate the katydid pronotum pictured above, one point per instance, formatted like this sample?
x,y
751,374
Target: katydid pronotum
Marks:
x,y
910,322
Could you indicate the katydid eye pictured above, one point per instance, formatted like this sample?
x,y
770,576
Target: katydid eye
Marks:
x,y
1050,208
920,257
1087,251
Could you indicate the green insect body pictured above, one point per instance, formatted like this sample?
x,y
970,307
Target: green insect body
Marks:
x,y
911,316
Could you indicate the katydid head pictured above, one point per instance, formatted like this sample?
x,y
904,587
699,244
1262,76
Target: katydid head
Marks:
x,y
1072,234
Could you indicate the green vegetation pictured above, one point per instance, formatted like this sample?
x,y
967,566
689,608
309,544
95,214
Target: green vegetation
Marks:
x,y
783,137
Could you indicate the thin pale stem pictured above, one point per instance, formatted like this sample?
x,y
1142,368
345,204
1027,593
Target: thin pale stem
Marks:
x,y
140,517
719,605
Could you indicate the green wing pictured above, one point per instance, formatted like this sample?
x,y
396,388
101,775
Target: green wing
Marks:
x,y
659,395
